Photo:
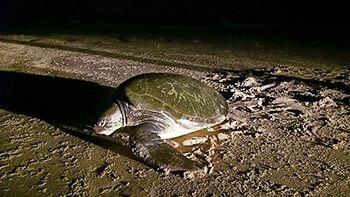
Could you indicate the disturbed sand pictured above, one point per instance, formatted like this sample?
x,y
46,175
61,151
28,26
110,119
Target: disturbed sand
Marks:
x,y
286,135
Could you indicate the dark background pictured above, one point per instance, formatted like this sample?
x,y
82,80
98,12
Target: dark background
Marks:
x,y
184,12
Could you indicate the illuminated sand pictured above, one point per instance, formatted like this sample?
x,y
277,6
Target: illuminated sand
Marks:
x,y
291,136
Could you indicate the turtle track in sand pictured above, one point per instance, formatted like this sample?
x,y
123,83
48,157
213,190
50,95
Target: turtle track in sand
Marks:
x,y
265,107
261,103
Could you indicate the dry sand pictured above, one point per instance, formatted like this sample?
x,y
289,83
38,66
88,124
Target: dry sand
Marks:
x,y
285,136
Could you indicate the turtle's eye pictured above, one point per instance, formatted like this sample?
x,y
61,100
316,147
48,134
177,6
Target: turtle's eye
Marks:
x,y
102,123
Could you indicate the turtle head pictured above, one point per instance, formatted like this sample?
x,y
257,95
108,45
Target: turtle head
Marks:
x,y
111,120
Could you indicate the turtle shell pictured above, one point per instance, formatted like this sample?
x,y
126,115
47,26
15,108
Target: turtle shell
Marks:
x,y
179,96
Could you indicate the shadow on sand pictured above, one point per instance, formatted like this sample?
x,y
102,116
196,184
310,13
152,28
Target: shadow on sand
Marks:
x,y
64,103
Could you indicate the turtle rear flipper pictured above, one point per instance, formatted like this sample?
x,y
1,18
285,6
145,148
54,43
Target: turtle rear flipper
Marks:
x,y
156,152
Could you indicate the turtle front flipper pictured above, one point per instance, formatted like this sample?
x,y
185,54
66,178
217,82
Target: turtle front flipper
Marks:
x,y
156,152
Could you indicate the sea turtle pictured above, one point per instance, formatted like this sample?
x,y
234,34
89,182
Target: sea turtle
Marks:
x,y
161,106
